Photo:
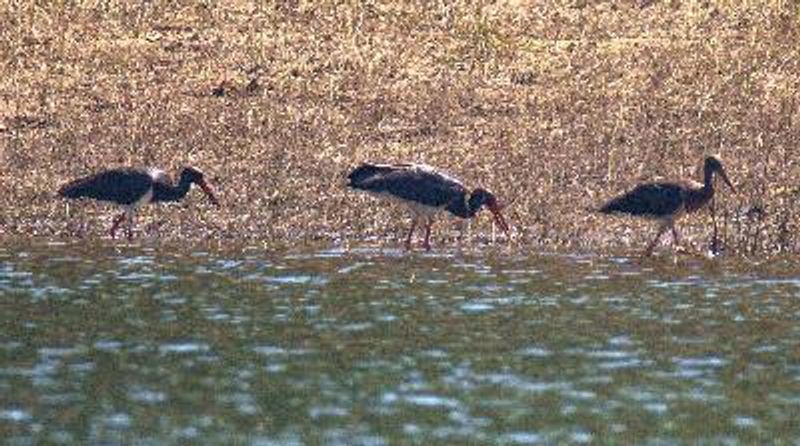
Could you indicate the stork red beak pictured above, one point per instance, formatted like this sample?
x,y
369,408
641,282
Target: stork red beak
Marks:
x,y
209,193
495,208
727,181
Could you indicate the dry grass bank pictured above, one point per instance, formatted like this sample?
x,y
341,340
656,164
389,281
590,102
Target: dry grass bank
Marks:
x,y
561,104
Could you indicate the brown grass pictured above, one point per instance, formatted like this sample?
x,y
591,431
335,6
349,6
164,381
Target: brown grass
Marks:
x,y
560,104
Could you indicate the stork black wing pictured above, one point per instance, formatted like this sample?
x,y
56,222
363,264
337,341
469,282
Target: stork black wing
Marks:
x,y
653,199
363,174
122,186
420,186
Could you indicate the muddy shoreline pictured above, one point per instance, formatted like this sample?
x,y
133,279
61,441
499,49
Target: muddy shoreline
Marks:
x,y
559,107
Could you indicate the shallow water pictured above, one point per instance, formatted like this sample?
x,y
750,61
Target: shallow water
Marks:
x,y
104,344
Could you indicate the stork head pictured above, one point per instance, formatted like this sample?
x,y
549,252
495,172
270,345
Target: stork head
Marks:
x,y
714,165
482,197
194,175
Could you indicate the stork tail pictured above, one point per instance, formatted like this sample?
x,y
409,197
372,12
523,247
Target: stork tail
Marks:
x,y
76,188
365,172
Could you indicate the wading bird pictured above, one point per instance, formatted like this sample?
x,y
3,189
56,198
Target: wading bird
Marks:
x,y
426,192
667,202
133,188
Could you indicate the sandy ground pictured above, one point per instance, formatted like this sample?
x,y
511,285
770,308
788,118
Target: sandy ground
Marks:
x,y
557,106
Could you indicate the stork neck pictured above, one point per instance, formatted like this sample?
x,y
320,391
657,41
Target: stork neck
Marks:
x,y
708,181
463,207
474,205
698,197
166,192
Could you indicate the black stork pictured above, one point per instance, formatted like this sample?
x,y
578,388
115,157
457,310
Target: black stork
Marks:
x,y
668,201
426,191
132,188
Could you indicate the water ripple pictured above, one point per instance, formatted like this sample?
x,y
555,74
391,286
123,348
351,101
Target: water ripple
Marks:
x,y
152,344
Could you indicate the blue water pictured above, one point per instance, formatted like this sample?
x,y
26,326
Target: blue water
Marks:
x,y
129,344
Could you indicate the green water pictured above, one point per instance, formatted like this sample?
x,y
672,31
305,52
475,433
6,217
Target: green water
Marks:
x,y
105,344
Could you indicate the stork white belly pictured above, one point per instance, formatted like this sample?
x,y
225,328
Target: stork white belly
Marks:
x,y
418,209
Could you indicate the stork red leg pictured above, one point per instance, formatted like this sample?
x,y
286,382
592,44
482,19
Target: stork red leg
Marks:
x,y
130,226
117,220
661,230
463,228
427,243
410,233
